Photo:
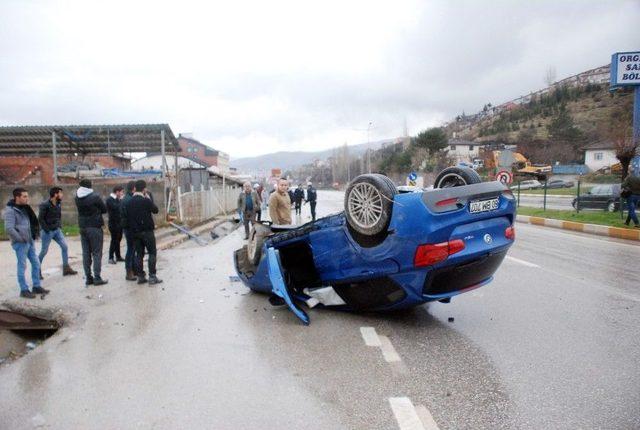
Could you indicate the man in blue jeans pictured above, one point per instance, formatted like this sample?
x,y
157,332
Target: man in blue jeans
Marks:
x,y
21,224
50,219
631,186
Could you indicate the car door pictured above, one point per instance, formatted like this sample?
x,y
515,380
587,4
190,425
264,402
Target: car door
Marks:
x,y
279,286
588,201
601,197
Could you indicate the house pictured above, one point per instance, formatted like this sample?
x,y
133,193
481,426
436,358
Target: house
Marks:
x,y
465,150
201,153
599,155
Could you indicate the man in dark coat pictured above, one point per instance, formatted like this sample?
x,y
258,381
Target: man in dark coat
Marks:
x,y
298,197
90,209
129,257
139,211
115,223
21,225
50,219
312,197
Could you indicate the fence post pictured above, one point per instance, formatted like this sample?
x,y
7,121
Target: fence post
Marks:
x,y
578,198
180,205
544,202
518,193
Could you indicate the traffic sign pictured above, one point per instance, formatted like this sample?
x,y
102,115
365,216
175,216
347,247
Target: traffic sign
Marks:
x,y
505,177
413,176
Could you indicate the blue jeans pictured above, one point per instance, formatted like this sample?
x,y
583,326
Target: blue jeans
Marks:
x,y
632,201
26,251
129,256
58,236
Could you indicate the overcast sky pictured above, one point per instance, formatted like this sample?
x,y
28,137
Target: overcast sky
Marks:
x,y
252,77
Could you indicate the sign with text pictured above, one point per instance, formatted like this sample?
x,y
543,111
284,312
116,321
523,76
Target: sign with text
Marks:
x,y
625,69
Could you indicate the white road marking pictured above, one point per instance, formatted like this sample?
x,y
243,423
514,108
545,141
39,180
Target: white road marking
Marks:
x,y
525,263
405,414
388,351
370,336
427,419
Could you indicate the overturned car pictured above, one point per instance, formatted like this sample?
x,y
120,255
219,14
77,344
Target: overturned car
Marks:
x,y
387,250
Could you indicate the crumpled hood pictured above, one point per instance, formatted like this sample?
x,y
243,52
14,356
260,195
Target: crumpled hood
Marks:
x,y
11,203
83,192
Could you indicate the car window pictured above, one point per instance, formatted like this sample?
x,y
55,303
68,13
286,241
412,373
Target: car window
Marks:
x,y
598,191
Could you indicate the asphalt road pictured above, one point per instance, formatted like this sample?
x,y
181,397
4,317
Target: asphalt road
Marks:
x,y
552,343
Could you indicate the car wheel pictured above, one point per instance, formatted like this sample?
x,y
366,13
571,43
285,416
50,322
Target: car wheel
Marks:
x,y
456,177
611,207
254,246
368,203
573,203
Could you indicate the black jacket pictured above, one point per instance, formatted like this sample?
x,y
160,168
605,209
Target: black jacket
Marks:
x,y
298,195
113,209
90,210
311,194
137,211
50,216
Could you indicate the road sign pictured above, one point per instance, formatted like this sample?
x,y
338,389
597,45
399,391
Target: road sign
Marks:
x,y
413,176
505,177
625,69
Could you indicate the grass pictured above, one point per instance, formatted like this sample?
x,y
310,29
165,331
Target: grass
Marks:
x,y
68,230
585,216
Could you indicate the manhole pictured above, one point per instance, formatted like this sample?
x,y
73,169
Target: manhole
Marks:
x,y
20,333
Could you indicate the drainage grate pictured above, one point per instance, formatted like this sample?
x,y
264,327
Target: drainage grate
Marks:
x,y
17,321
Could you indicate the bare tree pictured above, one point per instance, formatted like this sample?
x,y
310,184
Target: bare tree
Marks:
x,y
550,76
621,134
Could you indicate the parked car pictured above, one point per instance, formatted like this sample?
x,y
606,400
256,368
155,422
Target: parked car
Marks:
x,y
559,183
531,184
605,197
386,250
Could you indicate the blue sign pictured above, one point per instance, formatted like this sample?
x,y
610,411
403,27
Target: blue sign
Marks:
x,y
625,69
413,176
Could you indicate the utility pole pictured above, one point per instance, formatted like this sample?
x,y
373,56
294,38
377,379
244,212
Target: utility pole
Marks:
x,y
369,149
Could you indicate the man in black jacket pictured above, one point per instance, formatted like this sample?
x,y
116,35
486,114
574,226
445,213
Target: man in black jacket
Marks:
x,y
129,256
115,223
90,209
138,211
50,219
312,197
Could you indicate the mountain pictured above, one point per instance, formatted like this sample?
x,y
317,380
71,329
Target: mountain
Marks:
x,y
288,160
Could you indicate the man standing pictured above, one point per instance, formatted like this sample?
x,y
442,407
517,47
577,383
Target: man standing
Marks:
x,y
138,210
298,197
632,187
258,190
280,204
50,219
312,198
247,206
90,209
21,224
129,257
115,223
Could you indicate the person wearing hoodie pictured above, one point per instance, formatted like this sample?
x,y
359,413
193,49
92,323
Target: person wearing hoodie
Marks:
x,y
115,223
90,209
21,224
139,210
50,219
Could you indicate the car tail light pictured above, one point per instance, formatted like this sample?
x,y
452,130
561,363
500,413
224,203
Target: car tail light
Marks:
x,y
510,233
429,254
447,202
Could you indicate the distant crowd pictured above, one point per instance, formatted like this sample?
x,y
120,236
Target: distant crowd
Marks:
x,y
254,199
130,215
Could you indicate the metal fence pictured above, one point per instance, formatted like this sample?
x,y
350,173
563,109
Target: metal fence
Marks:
x,y
195,206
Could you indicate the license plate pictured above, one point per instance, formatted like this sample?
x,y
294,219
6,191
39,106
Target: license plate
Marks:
x,y
483,205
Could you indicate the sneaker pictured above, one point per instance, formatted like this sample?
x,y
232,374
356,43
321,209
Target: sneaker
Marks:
x,y
112,261
89,281
119,259
142,280
153,280
100,281
27,294
39,290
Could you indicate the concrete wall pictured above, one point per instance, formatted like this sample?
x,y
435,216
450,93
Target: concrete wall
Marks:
x,y
38,193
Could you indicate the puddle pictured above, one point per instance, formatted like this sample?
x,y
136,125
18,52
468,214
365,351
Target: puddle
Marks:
x,y
20,333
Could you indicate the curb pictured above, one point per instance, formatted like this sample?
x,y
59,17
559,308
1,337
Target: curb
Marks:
x,y
600,230
181,237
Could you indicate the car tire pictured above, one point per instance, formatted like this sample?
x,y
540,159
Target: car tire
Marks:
x,y
611,207
254,245
456,177
368,203
573,203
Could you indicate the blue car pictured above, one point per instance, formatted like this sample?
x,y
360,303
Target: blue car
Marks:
x,y
387,250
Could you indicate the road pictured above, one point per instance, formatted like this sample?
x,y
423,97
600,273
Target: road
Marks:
x,y
552,343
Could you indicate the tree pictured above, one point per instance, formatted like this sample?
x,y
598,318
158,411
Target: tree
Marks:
x,y
620,132
563,130
433,140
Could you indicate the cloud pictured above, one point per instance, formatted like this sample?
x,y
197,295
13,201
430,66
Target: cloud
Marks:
x,y
251,77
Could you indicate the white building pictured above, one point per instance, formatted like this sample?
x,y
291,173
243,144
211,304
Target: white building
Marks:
x,y
154,162
599,155
464,150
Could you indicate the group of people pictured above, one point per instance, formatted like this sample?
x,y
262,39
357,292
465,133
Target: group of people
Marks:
x,y
130,214
252,200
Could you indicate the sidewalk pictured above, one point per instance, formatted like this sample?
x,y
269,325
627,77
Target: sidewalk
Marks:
x,y
600,230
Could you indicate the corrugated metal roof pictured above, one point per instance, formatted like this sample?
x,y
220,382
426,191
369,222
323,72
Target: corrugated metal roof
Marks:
x,y
86,139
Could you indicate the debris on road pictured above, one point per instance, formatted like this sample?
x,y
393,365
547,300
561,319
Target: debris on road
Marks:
x,y
451,319
188,232
234,278
31,345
